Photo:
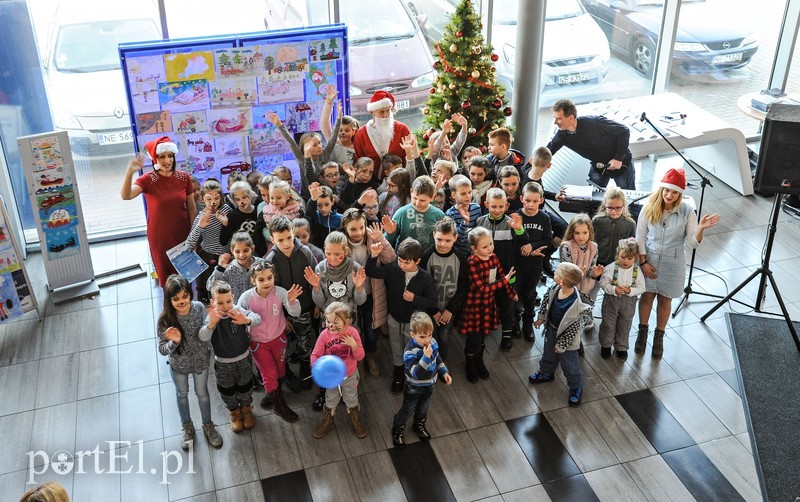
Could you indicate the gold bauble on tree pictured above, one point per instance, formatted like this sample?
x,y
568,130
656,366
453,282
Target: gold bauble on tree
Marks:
x,y
476,49
452,86
426,111
476,74
453,48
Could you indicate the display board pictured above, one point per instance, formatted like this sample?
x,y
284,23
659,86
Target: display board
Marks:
x,y
212,96
16,291
53,190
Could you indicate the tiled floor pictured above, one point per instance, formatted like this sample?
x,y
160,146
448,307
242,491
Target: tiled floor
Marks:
x,y
89,374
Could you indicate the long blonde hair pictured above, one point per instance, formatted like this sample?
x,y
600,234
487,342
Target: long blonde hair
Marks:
x,y
655,207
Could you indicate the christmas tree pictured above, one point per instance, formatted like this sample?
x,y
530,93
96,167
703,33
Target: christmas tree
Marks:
x,y
465,81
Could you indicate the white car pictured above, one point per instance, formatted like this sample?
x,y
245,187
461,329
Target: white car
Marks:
x,y
84,79
576,55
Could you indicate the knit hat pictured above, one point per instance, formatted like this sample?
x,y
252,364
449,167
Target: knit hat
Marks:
x,y
379,100
160,145
675,179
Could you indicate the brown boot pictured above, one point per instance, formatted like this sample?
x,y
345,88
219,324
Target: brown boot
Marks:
x,y
281,408
326,424
355,421
373,366
641,339
658,344
248,420
236,420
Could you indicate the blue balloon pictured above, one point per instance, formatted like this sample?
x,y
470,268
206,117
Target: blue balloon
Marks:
x,y
329,371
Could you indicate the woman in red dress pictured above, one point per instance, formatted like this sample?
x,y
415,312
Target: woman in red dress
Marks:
x,y
170,201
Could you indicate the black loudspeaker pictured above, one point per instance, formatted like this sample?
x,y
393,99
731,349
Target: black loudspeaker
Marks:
x,y
778,169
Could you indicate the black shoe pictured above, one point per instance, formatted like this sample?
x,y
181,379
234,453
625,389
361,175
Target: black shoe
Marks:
x,y
281,408
605,352
397,435
622,354
472,368
483,373
539,377
319,401
292,382
422,432
398,379
575,396
266,401
506,342
527,334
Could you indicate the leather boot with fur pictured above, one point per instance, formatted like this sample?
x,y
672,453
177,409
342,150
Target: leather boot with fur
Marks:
x,y
248,420
355,421
281,408
326,424
236,420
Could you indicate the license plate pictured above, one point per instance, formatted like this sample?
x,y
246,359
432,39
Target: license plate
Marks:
x,y
115,138
727,58
574,78
403,105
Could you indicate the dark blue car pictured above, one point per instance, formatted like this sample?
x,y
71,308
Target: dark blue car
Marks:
x,y
710,37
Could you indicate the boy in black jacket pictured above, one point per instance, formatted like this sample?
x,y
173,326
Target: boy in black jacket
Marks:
x,y
408,288
531,260
449,271
290,258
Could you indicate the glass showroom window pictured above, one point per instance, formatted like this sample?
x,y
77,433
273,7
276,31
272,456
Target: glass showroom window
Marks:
x,y
725,49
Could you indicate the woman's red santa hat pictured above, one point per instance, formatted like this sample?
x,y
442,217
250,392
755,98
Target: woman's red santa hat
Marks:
x,y
381,100
675,179
161,145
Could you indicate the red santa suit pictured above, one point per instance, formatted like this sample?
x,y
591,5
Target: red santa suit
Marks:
x,y
369,142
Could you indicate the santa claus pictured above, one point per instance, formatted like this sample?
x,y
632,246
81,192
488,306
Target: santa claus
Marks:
x,y
382,134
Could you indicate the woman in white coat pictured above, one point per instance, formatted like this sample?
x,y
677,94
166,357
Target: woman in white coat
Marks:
x,y
665,227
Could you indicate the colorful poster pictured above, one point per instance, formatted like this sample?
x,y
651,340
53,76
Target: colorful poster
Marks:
x,y
154,122
238,62
233,91
9,300
186,261
320,78
55,197
62,242
279,90
260,114
230,148
195,144
183,96
230,120
325,50
46,180
190,66
144,73
288,59
189,122
266,142
47,153
300,117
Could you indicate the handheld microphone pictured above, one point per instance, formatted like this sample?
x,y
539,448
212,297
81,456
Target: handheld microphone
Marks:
x,y
642,117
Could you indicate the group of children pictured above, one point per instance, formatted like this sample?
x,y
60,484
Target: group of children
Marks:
x,y
431,247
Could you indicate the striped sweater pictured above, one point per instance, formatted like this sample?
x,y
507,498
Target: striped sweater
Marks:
x,y
210,233
421,370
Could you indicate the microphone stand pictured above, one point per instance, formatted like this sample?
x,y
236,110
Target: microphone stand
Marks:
x,y
704,181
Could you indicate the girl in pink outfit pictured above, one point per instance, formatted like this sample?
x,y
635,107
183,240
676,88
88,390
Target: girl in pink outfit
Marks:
x,y
342,340
281,202
268,338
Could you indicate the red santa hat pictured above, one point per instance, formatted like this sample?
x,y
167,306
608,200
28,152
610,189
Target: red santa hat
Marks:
x,y
380,100
157,146
675,179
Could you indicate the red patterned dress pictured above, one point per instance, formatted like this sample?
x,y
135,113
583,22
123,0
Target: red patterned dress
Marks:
x,y
479,314
167,216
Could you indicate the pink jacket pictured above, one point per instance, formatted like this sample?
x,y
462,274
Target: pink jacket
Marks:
x,y
330,344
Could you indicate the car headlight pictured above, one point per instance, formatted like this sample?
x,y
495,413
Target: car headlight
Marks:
x,y
749,39
424,80
509,53
355,91
66,120
689,47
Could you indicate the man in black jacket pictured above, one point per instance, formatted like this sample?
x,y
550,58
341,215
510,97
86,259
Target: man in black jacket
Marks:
x,y
602,141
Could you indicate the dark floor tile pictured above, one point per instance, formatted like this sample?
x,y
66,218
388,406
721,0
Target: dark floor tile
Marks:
x,y
290,486
699,475
420,473
543,448
570,489
655,421
732,379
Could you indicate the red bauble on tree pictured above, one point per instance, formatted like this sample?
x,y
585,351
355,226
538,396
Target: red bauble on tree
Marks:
x,y
497,103
495,57
465,105
437,65
460,34
507,111
433,90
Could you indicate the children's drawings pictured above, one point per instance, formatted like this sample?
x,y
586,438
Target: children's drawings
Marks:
x,y
230,120
154,122
230,149
47,153
325,50
9,299
267,142
261,114
288,60
321,76
62,242
234,91
186,95
144,73
61,217
195,144
46,180
272,90
190,66
238,62
189,122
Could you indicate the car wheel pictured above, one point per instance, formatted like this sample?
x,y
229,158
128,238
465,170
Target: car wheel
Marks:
x,y
643,56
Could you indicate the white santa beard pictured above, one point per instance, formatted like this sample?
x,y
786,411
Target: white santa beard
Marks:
x,y
385,127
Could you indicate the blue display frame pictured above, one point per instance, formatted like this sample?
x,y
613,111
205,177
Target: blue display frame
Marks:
x,y
246,153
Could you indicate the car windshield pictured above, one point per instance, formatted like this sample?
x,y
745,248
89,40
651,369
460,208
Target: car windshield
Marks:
x,y
88,47
373,22
505,11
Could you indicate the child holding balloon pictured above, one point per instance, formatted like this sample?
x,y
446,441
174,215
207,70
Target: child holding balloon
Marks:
x,y
342,340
